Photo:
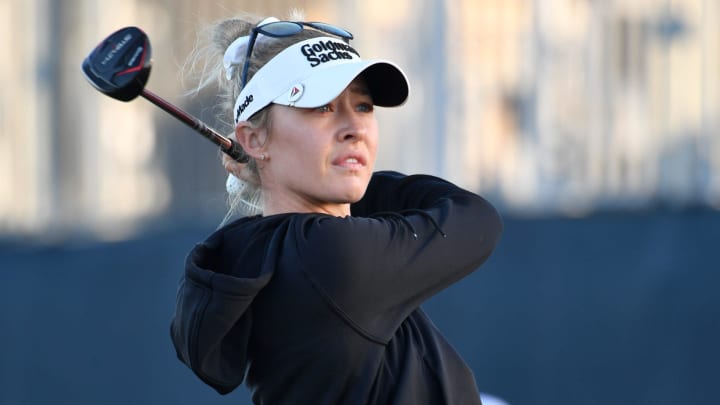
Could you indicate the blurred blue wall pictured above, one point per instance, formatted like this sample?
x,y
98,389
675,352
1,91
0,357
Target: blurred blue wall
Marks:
x,y
610,309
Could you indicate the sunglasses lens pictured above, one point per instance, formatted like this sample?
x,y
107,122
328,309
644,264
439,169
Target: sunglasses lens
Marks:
x,y
280,29
331,29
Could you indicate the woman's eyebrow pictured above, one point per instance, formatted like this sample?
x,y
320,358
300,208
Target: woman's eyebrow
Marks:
x,y
359,89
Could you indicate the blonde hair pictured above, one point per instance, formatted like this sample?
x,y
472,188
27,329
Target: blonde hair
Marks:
x,y
205,63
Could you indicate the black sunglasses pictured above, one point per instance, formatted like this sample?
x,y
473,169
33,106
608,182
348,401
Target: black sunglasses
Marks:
x,y
280,29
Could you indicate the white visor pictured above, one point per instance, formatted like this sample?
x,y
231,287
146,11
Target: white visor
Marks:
x,y
314,72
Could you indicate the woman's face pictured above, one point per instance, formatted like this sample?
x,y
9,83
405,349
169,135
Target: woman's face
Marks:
x,y
320,159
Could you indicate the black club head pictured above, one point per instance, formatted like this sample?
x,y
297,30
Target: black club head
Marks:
x,y
120,65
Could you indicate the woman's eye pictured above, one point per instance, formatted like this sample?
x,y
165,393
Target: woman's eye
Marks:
x,y
325,108
365,107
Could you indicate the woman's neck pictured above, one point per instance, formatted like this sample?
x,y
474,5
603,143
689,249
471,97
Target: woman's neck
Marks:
x,y
283,204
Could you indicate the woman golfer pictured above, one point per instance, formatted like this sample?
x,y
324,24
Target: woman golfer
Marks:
x,y
313,295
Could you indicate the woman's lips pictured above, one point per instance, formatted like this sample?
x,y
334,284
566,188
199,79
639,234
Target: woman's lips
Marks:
x,y
350,161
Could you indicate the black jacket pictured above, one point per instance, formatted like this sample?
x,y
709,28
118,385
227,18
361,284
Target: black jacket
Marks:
x,y
315,309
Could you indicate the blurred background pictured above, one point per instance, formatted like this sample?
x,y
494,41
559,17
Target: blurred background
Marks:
x,y
593,126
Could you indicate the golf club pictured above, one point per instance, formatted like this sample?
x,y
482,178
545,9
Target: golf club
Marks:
x,y
119,67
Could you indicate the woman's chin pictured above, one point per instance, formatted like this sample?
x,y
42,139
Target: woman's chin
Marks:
x,y
352,195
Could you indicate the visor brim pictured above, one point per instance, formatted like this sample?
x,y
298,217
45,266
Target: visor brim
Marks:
x,y
387,84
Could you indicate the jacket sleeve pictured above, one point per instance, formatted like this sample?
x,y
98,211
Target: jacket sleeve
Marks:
x,y
409,238
209,328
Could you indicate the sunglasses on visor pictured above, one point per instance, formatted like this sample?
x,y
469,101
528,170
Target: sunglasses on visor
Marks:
x,y
281,29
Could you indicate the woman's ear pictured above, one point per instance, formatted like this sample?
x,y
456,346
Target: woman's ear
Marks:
x,y
252,139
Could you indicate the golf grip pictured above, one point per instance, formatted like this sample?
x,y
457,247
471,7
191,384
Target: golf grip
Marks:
x,y
227,145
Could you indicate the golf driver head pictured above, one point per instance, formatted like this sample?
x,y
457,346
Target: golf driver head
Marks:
x,y
120,65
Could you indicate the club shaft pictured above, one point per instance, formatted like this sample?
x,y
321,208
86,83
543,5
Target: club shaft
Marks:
x,y
226,144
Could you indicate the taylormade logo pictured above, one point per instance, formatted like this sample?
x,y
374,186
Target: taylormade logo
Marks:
x,y
244,105
116,48
137,53
325,51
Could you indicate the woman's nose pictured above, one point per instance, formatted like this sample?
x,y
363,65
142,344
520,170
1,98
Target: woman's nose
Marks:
x,y
355,125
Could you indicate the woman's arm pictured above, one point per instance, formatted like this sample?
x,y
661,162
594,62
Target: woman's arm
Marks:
x,y
393,191
421,234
